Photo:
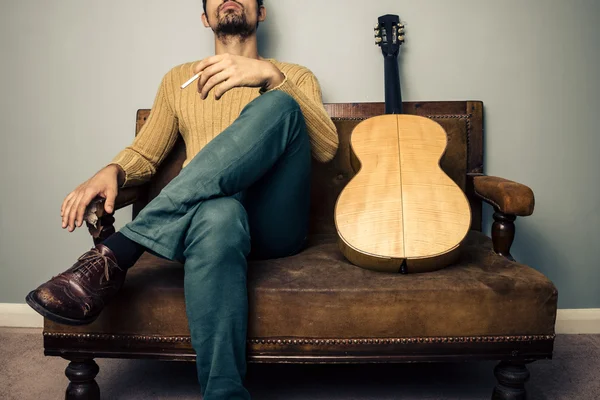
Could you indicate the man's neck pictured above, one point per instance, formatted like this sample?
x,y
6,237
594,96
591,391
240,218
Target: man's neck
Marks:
x,y
235,46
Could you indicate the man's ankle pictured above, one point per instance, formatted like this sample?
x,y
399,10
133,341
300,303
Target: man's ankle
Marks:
x,y
126,251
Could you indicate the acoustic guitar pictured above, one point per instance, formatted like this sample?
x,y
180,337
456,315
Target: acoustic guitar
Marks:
x,y
400,212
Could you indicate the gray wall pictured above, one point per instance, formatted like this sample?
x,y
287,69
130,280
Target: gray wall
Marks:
x,y
74,72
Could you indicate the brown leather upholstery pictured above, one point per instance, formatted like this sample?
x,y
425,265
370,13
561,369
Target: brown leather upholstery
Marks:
x,y
506,196
317,293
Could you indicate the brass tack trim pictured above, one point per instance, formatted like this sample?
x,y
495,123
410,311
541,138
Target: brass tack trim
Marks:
x,y
466,117
448,116
461,339
312,341
107,337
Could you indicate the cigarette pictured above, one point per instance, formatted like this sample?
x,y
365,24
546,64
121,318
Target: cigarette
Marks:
x,y
192,79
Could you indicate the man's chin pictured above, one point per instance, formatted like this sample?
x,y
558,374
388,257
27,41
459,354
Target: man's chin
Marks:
x,y
230,13
233,29
233,23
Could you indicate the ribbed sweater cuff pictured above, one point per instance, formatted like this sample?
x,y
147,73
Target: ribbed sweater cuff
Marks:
x,y
286,86
136,170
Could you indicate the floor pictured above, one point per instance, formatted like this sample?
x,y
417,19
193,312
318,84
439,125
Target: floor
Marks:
x,y
573,374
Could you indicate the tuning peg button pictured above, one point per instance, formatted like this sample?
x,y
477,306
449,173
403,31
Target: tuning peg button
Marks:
x,y
378,40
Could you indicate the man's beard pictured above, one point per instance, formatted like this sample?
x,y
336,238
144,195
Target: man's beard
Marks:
x,y
232,24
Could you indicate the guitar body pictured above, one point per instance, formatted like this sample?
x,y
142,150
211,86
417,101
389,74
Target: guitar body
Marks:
x,y
400,209
400,212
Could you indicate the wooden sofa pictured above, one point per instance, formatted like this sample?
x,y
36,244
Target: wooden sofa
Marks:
x,y
316,307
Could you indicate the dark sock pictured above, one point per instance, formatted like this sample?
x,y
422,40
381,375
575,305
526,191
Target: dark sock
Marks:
x,y
125,250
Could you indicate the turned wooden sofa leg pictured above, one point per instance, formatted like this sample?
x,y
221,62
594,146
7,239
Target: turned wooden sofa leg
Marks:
x,y
511,381
503,233
81,374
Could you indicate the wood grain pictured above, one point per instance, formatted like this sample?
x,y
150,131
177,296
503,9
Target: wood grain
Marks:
x,y
401,205
369,210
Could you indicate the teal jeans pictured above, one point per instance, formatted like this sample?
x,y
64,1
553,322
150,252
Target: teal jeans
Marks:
x,y
245,195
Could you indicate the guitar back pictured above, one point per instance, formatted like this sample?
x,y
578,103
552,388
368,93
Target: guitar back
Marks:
x,y
401,209
401,212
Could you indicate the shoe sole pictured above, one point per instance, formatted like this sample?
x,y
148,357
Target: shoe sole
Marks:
x,y
55,317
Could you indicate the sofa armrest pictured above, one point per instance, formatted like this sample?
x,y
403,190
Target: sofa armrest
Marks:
x,y
506,196
128,196
99,223
510,199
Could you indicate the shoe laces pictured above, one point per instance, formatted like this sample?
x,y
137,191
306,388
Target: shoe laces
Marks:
x,y
92,260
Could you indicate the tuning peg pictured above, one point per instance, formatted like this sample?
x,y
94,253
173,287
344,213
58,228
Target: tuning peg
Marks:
x,y
401,38
377,33
378,40
377,27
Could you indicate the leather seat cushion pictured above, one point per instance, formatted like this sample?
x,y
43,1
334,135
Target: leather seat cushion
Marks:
x,y
317,293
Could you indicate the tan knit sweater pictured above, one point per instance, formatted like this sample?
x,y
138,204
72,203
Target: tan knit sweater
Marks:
x,y
177,110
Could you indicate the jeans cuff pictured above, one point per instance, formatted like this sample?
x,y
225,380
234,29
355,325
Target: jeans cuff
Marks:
x,y
153,246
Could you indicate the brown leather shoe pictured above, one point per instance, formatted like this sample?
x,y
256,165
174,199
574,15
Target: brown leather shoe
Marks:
x,y
77,296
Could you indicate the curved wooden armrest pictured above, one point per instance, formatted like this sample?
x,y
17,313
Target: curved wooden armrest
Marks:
x,y
506,196
510,199
99,223
128,196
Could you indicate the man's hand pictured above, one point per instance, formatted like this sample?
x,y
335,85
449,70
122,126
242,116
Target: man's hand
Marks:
x,y
104,183
229,71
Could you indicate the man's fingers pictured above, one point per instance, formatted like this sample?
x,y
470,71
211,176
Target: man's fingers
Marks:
x,y
65,202
207,62
225,86
65,218
212,82
208,74
73,212
109,204
85,200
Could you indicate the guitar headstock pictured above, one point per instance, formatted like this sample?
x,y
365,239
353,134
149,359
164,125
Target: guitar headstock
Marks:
x,y
389,34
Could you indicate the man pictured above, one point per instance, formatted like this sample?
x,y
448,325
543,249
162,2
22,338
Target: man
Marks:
x,y
250,129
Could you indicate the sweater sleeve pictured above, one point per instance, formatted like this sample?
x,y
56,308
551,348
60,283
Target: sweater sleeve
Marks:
x,y
321,129
152,143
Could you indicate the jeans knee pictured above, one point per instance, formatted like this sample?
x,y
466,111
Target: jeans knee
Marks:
x,y
222,212
219,224
277,102
282,100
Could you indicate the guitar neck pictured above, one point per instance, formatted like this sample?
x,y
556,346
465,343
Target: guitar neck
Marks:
x,y
393,95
